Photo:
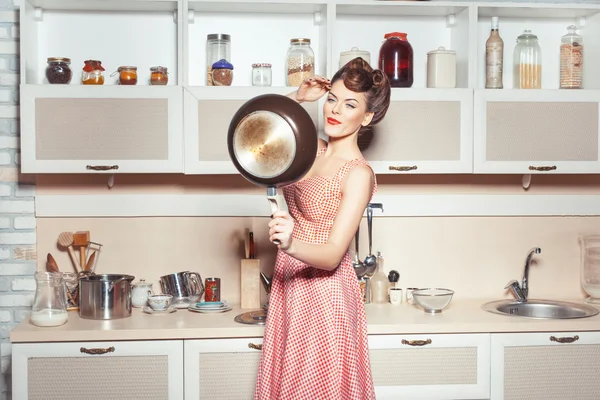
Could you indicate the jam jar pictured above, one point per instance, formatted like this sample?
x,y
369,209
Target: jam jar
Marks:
x,y
159,75
396,59
58,70
92,73
127,75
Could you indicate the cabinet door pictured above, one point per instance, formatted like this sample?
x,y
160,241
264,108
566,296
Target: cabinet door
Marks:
x,y
208,112
432,367
545,366
424,131
114,129
536,131
221,368
98,370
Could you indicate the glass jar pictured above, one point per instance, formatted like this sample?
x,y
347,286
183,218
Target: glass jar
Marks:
x,y
49,305
261,75
300,62
222,73
127,75
92,73
71,280
159,76
589,246
527,62
396,59
58,70
571,59
218,47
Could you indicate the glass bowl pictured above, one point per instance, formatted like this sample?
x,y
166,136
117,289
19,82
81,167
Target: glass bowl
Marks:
x,y
432,300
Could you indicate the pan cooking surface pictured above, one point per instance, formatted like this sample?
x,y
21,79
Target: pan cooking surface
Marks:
x,y
264,144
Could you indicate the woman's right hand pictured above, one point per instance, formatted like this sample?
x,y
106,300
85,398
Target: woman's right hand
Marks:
x,y
312,89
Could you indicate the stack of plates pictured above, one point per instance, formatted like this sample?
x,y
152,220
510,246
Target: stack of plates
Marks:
x,y
210,307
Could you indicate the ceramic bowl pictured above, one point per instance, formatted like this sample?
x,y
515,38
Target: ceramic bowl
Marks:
x,y
433,300
160,301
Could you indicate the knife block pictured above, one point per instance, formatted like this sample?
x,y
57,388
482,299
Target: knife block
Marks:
x,y
250,283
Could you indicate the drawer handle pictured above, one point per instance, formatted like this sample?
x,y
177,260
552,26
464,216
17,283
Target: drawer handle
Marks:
x,y
416,342
564,339
255,346
402,168
542,168
111,349
101,167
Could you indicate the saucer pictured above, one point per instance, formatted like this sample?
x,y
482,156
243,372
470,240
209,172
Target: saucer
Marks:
x,y
223,308
149,310
184,302
206,305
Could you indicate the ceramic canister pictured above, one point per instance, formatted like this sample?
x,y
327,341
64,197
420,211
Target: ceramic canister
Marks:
x,y
346,56
441,68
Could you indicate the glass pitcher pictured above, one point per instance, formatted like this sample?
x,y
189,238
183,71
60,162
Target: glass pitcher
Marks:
x,y
590,267
49,305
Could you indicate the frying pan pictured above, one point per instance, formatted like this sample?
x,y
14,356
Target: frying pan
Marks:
x,y
272,142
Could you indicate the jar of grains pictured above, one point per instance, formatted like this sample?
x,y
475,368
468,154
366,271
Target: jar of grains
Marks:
x,y
92,73
58,70
218,47
571,59
159,75
300,63
222,73
527,62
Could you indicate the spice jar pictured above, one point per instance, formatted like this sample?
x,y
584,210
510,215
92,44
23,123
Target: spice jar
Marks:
x,y
127,75
396,59
261,75
58,70
218,47
571,59
528,62
222,73
300,63
159,76
92,73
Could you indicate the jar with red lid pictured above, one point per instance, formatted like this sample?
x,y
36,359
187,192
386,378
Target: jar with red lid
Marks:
x,y
93,73
396,59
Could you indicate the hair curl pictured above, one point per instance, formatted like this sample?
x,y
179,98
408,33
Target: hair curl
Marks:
x,y
360,77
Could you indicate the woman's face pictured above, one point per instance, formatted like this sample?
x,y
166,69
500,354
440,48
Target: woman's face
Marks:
x,y
344,111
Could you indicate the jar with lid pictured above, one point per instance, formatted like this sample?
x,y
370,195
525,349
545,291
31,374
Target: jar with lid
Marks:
x,y
527,62
93,73
127,75
261,75
159,75
353,53
300,62
218,47
49,305
222,73
571,59
58,70
396,59
441,68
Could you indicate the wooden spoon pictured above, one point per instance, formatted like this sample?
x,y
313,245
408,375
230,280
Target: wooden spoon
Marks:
x,y
65,239
51,265
90,263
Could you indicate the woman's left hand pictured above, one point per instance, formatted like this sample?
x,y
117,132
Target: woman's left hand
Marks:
x,y
281,227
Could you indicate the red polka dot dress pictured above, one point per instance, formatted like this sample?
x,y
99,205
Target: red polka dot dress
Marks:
x,y
315,341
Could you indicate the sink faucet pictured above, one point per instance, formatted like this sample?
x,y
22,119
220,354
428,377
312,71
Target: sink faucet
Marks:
x,y
521,292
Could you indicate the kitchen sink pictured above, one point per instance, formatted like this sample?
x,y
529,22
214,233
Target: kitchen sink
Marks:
x,y
540,309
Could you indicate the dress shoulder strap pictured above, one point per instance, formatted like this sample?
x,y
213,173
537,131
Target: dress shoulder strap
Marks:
x,y
344,169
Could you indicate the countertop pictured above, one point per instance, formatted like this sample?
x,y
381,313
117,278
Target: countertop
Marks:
x,y
461,316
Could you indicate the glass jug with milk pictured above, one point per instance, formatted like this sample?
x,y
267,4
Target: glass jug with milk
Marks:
x,y
49,305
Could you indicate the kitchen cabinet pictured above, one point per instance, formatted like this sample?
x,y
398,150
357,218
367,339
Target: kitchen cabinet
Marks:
x,y
98,370
553,365
221,368
432,367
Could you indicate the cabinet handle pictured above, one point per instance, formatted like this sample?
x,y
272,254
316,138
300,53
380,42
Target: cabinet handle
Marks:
x,y
416,342
542,168
111,349
101,167
402,168
255,346
564,339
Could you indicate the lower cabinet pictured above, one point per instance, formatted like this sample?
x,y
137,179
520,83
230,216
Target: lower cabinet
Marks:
x,y
545,366
98,370
221,368
432,367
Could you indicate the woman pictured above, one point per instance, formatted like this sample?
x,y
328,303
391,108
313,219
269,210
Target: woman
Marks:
x,y
315,342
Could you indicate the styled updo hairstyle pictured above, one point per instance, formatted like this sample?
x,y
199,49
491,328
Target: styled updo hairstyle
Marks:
x,y
359,77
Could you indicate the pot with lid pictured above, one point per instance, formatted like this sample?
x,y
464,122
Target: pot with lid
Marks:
x,y
105,296
351,54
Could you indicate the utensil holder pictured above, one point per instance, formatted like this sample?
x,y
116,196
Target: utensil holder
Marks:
x,y
250,283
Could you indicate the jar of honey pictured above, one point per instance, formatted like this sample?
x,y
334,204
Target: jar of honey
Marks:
x,y
92,73
159,75
127,75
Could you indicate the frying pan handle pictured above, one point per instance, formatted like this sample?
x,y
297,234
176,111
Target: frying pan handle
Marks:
x,y
272,197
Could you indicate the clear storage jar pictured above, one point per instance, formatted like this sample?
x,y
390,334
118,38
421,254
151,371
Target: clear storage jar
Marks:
x,y
58,70
218,47
49,304
300,62
527,62
261,74
571,59
222,73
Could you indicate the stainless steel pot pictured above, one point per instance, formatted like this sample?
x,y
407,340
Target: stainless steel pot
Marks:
x,y
105,296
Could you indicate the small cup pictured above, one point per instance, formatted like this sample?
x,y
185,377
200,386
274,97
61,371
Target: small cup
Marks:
x,y
395,296
160,302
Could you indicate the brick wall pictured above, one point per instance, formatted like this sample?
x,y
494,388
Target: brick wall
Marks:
x,y
17,219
